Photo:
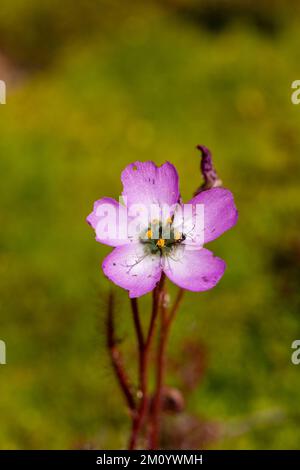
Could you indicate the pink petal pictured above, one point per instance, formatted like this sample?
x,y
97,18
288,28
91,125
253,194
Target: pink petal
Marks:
x,y
195,270
131,268
189,221
145,183
220,213
114,232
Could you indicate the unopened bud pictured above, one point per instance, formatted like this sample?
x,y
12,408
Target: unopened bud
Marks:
x,y
211,179
172,400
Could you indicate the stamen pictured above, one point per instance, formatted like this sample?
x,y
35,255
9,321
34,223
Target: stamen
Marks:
x,y
177,236
169,220
149,233
160,243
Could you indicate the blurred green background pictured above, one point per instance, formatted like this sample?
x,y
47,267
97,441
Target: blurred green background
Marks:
x,y
93,86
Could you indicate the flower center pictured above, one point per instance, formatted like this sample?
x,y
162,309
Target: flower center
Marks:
x,y
161,239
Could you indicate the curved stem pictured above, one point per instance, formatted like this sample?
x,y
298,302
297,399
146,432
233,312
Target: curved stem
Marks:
x,y
175,306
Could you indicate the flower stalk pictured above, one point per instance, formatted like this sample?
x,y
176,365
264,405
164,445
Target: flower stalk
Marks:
x,y
166,320
144,351
140,407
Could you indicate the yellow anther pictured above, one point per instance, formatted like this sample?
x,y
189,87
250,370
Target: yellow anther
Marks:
x,y
149,233
177,236
161,243
169,220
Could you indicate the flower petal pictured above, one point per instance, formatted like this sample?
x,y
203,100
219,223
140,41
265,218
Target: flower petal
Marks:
x,y
145,183
109,220
189,222
220,214
195,270
131,268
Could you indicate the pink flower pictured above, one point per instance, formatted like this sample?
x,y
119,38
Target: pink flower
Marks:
x,y
138,260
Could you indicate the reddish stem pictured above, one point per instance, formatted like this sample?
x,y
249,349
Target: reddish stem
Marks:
x,y
175,307
137,323
166,321
144,362
139,332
